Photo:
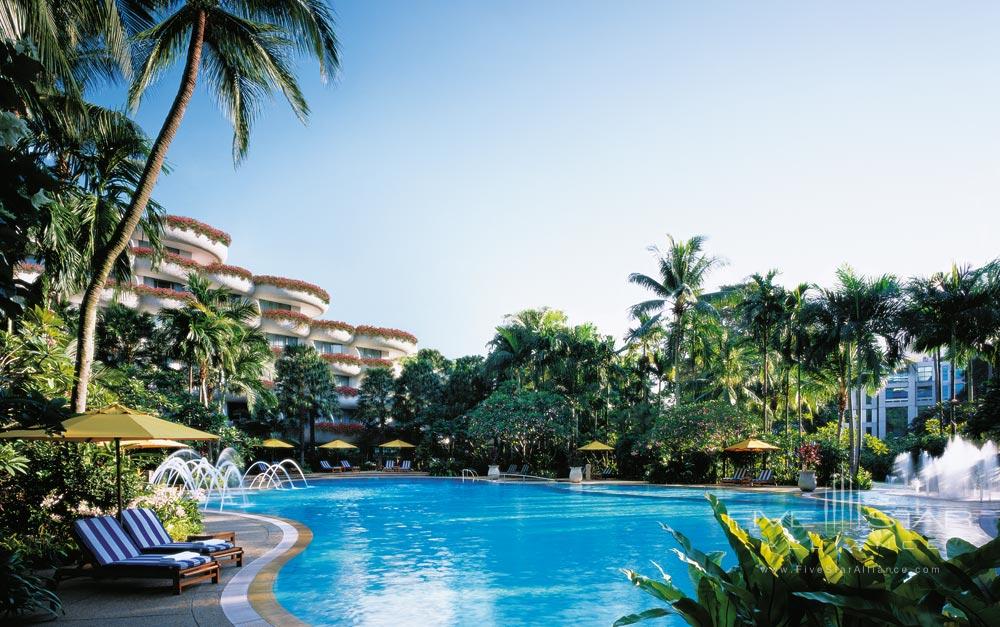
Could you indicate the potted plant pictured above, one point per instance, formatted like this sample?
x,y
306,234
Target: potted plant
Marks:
x,y
809,456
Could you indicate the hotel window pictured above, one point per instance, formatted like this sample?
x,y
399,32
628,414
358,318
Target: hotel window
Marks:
x,y
898,379
281,341
925,394
149,281
896,394
896,420
925,374
370,353
270,304
341,380
328,348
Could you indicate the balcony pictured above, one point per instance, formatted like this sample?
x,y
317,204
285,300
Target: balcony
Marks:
x,y
284,322
174,267
332,331
312,299
382,337
155,299
233,278
197,235
347,365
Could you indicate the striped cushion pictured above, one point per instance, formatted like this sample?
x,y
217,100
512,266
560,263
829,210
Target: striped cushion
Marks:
x,y
325,465
740,473
105,539
145,528
189,546
162,561
765,475
345,464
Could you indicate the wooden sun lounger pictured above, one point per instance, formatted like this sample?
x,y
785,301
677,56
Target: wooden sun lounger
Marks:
x,y
766,477
740,477
150,536
110,553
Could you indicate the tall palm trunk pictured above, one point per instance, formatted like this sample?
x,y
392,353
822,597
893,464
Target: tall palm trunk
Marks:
x,y
766,425
798,394
104,260
951,386
937,389
788,392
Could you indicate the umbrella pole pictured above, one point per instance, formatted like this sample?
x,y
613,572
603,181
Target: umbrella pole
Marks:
x,y
118,475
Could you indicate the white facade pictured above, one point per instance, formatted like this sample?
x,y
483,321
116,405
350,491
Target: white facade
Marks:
x,y
905,394
290,310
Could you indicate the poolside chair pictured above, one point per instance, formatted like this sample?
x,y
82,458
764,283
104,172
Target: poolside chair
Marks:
x,y
766,477
111,553
406,466
346,465
149,535
512,469
326,467
739,477
390,465
525,469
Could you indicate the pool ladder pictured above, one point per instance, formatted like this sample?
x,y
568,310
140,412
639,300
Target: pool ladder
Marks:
x,y
468,473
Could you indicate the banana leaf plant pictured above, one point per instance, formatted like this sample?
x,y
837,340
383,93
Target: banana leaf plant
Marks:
x,y
789,575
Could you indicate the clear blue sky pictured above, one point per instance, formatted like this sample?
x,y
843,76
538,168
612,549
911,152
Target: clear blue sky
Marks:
x,y
476,158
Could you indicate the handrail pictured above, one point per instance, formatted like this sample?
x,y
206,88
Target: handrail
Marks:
x,y
514,475
470,473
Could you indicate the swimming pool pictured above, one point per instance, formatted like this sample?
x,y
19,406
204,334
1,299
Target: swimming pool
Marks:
x,y
442,552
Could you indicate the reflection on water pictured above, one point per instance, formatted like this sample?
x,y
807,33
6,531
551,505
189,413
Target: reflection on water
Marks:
x,y
441,552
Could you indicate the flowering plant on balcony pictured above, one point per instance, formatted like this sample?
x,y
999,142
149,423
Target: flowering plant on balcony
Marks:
x,y
190,224
372,362
30,268
284,314
392,334
161,292
236,271
346,390
341,358
346,428
184,262
333,324
277,350
293,284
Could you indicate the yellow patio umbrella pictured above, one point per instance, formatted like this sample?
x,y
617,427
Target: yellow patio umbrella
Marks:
x,y
596,446
337,444
275,443
397,444
751,446
113,423
132,445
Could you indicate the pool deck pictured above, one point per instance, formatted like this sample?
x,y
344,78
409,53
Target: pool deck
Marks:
x,y
245,592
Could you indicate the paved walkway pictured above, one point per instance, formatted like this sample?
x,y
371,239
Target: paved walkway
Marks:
x,y
139,602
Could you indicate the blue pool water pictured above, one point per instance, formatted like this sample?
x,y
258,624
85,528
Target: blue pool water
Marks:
x,y
442,552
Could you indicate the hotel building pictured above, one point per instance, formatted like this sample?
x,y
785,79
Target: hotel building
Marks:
x,y
291,311
906,393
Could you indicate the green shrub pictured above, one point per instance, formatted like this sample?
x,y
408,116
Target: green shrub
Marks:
x,y
791,576
863,480
178,512
24,593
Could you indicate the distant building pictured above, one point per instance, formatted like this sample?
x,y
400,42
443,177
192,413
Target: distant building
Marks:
x,y
290,309
906,393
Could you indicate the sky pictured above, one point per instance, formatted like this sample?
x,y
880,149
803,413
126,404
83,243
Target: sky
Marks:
x,y
472,159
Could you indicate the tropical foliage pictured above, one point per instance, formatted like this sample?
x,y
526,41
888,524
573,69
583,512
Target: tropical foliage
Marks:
x,y
788,575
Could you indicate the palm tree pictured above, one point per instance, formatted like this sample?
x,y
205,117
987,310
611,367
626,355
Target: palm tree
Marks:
x,y
762,309
794,343
949,309
645,337
245,48
683,268
859,340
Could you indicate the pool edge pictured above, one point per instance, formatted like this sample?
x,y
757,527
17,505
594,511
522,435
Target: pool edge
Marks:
x,y
248,599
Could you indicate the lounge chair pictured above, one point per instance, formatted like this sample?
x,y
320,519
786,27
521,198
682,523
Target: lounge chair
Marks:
x,y
525,469
111,553
766,477
346,465
149,535
390,465
326,467
512,469
739,477
606,473
406,466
